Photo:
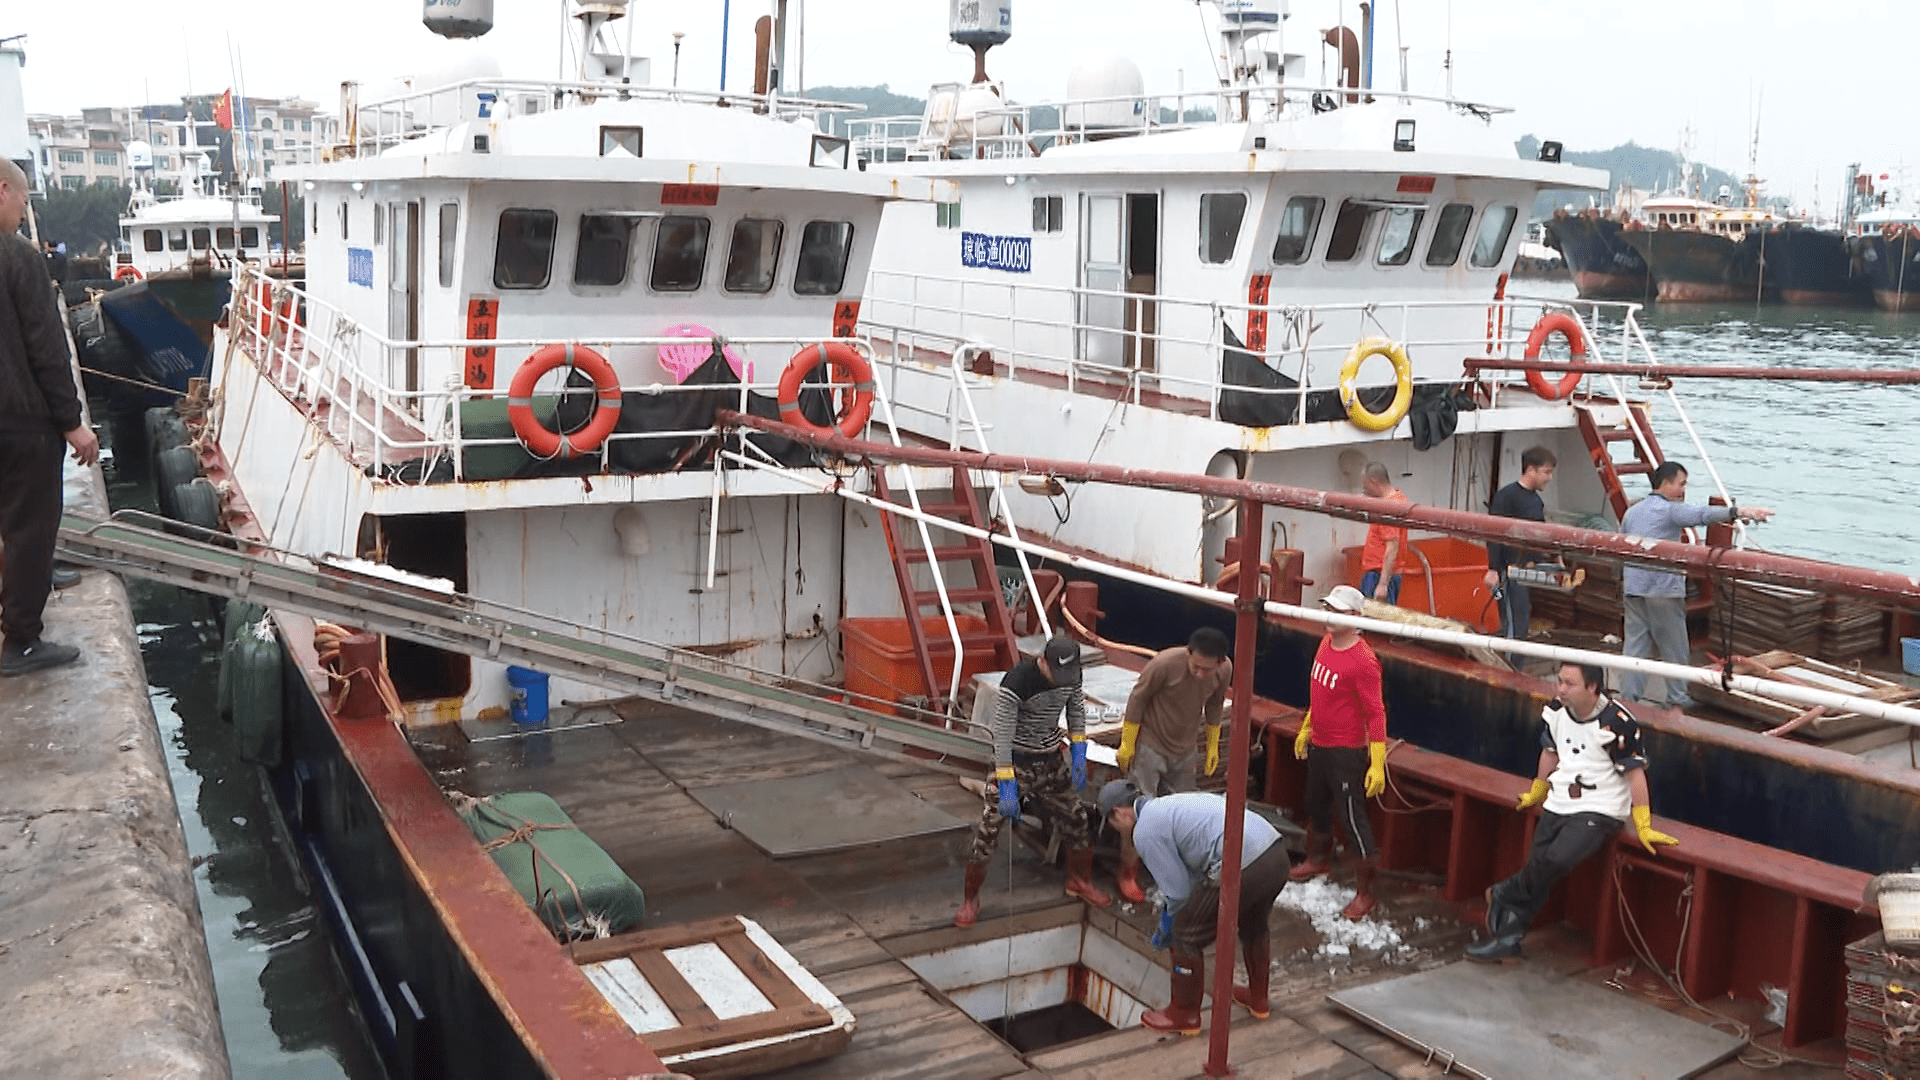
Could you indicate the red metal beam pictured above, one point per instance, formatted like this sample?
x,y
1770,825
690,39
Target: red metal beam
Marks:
x,y
1900,377
1246,646
1897,590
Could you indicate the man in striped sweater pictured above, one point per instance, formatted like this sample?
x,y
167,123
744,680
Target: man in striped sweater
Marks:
x,y
1027,763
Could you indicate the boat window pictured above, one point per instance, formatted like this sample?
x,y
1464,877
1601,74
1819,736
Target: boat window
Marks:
x,y
680,253
1347,227
449,226
249,236
1297,225
523,251
1220,217
176,239
1449,234
379,224
601,256
202,238
1049,213
752,255
1491,243
345,234
223,237
315,230
946,215
824,248
1397,236
152,240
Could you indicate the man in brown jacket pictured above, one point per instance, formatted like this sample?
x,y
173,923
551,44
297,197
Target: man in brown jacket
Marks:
x,y
39,407
1178,692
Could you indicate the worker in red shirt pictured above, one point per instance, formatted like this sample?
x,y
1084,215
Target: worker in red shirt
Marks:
x,y
1344,741
1380,558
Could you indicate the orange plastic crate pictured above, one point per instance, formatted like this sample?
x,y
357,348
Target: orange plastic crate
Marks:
x,y
881,663
1459,580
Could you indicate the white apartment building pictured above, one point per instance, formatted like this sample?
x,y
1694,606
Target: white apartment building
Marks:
x,y
76,151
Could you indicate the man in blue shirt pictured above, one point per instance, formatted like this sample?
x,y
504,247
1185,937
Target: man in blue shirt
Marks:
x,y
1656,600
1180,838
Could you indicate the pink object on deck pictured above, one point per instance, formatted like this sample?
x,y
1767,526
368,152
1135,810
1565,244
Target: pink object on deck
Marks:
x,y
684,360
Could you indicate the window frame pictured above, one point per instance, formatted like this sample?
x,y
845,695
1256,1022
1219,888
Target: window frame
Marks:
x,y
1205,246
246,243
153,240
1512,211
1366,210
447,241
1460,244
629,222
772,270
705,231
1389,216
1313,230
846,258
226,232
177,234
553,242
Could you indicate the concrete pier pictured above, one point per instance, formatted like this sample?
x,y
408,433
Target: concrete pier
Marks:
x,y
103,960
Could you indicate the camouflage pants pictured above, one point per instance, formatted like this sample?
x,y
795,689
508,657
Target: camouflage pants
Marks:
x,y
1046,788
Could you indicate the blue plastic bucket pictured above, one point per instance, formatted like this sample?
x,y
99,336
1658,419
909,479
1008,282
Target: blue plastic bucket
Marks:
x,y
527,696
1910,655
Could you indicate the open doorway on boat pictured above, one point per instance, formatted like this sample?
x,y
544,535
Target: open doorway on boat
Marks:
x,y
432,545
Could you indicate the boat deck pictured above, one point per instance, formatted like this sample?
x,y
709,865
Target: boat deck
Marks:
x,y
842,914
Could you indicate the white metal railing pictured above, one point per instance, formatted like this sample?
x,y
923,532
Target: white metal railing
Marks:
x,y
371,126
337,368
1018,130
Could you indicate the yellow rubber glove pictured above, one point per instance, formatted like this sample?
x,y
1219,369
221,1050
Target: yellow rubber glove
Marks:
x,y
1649,836
1129,733
1300,741
1376,772
1213,749
1534,796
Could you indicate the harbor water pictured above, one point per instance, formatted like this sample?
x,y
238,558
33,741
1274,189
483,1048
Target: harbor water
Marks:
x,y
285,1006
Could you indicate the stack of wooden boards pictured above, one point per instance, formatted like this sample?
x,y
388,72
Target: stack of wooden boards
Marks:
x,y
1759,618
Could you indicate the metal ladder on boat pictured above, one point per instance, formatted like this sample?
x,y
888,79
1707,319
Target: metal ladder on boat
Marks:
x,y
972,554
498,632
1637,431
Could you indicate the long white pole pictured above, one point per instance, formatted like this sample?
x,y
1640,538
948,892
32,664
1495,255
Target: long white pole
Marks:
x,y
1799,695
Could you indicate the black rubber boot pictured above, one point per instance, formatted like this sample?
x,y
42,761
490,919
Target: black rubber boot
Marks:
x,y
35,656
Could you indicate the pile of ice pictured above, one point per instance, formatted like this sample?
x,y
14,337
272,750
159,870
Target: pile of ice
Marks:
x,y
1321,901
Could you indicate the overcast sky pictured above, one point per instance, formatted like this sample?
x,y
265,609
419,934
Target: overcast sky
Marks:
x,y
1828,78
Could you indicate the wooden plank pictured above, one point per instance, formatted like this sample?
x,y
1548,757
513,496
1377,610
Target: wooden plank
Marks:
x,y
947,937
621,983
871,977
671,937
666,980
714,975
1254,1042
766,975
689,1038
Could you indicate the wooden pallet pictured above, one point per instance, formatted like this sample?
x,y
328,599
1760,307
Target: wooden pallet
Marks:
x,y
717,998
1795,666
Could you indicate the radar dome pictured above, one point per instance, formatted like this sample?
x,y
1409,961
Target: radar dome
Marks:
x,y
980,22
458,18
139,155
1113,78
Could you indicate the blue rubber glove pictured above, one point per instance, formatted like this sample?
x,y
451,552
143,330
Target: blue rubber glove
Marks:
x,y
1078,770
1010,800
1163,936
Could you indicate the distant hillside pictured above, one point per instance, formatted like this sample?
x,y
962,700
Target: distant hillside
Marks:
x,y
1644,167
879,101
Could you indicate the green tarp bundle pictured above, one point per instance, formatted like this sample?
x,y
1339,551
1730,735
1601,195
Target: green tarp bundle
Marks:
x,y
575,887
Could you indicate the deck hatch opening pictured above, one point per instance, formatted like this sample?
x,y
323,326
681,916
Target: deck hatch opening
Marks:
x,y
1044,1029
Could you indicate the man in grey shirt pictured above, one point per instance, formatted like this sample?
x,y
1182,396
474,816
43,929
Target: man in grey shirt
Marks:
x,y
1180,838
1656,600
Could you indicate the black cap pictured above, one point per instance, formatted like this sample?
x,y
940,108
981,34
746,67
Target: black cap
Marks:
x,y
1063,660
1118,793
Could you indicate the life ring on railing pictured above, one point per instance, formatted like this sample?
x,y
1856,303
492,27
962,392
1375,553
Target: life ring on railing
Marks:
x,y
853,368
1361,416
1565,324
128,272
551,444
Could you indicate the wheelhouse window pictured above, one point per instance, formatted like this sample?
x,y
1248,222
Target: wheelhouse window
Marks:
x,y
449,234
1220,217
680,253
1449,234
1298,223
1348,225
1397,236
1491,242
606,243
152,240
249,236
176,239
345,232
1049,213
824,250
946,215
523,251
223,237
202,238
753,255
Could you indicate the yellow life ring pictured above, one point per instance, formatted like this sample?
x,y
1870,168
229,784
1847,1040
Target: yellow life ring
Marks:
x,y
1402,378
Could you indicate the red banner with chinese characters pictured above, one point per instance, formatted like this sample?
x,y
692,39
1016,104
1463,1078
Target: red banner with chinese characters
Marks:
x,y
483,323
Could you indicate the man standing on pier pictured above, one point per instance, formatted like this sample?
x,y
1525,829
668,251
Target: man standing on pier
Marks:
x,y
39,406
1656,600
1592,780
1180,691
1520,499
1027,762
1181,837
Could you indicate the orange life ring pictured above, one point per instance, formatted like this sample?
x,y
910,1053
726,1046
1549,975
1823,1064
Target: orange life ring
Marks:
x,y
550,444
128,272
1562,323
853,368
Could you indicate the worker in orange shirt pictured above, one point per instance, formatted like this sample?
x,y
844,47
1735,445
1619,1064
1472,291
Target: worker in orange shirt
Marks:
x,y
1380,558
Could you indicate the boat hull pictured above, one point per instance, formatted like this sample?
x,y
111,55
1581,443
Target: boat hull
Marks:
x,y
1891,266
1603,267
1699,267
171,347
1813,267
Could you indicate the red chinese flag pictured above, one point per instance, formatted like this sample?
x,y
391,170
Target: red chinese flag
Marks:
x,y
223,111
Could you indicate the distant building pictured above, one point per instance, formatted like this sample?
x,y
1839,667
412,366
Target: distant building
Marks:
x,y
79,151
268,133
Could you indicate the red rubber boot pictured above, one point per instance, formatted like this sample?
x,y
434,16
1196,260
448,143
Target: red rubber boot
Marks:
x,y
1319,857
1362,902
1080,878
1129,880
1189,987
1252,997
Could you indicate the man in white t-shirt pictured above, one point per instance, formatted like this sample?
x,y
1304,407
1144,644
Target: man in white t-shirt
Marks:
x,y
1592,780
